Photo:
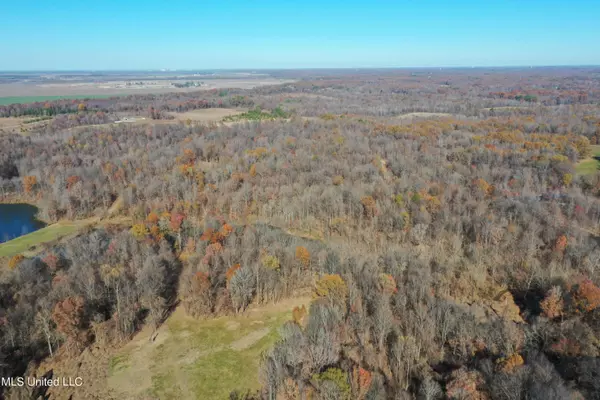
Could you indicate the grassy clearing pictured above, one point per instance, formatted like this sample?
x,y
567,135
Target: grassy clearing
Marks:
x,y
589,165
44,235
31,99
586,167
257,115
206,115
199,359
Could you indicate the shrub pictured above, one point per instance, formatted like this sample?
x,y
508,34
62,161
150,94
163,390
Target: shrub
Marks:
x,y
331,286
334,376
270,262
139,231
15,260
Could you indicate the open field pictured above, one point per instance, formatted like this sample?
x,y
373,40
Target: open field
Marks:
x,y
30,92
22,125
12,124
591,164
31,99
211,115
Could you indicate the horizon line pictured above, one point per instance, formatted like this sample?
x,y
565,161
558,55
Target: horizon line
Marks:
x,y
305,68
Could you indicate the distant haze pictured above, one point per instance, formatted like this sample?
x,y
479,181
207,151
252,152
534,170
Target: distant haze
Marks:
x,y
152,34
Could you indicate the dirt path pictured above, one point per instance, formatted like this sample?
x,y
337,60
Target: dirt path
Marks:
x,y
249,339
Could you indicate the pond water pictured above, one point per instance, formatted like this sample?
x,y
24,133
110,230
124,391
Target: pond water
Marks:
x,y
17,220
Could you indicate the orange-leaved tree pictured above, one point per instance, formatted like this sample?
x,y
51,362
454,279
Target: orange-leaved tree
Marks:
x,y
15,260
361,382
231,271
29,183
152,218
561,244
586,295
299,314
303,256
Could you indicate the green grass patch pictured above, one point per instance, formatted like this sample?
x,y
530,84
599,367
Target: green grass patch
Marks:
x,y
32,99
119,362
165,386
44,235
257,115
589,165
200,359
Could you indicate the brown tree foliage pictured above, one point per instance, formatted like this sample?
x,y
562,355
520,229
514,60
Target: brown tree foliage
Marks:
x,y
509,364
586,295
299,314
29,183
68,316
552,305
561,244
369,206
198,301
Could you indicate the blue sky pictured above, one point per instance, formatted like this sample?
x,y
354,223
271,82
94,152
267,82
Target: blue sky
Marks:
x,y
197,34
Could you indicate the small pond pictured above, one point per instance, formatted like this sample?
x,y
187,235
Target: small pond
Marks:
x,y
17,220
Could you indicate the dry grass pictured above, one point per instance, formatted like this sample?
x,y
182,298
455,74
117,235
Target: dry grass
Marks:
x,y
12,122
206,115
21,125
